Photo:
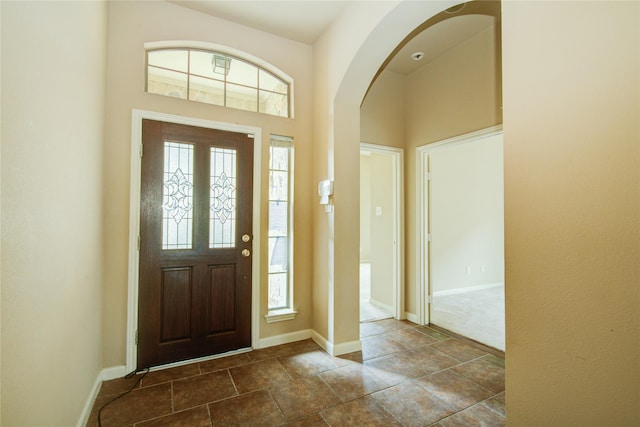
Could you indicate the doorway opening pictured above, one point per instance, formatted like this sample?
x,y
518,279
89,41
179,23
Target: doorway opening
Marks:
x,y
462,236
381,231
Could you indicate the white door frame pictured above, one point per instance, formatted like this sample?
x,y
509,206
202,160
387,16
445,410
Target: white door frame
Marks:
x,y
423,273
134,220
398,222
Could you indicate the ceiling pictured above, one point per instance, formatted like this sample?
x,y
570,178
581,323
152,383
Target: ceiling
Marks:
x,y
299,20
305,20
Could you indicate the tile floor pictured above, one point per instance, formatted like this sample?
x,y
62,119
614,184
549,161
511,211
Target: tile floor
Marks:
x,y
405,375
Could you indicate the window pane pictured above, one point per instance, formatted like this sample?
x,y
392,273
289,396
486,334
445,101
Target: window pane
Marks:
x,y
242,97
206,90
271,83
177,196
278,185
171,59
167,83
223,184
274,104
218,79
279,158
278,291
278,218
278,254
201,64
242,73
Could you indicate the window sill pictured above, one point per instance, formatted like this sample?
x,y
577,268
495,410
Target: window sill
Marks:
x,y
280,315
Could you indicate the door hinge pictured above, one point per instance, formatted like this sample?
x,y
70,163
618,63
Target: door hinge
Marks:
x,y
138,242
428,239
428,176
141,150
430,299
136,337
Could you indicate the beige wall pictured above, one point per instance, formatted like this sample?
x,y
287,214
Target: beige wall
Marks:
x,y
382,122
572,188
130,27
454,94
382,114
382,244
336,156
53,93
365,207
466,214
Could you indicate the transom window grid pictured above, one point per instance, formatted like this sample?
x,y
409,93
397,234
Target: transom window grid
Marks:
x,y
216,78
280,295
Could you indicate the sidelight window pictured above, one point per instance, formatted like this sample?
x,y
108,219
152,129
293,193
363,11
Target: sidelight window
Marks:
x,y
280,227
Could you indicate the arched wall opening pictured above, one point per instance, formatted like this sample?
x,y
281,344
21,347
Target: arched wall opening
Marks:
x,y
559,370
339,92
453,90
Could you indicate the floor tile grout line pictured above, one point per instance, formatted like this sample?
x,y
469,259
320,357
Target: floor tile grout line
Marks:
x,y
491,409
268,390
233,383
209,413
456,411
173,405
159,417
384,408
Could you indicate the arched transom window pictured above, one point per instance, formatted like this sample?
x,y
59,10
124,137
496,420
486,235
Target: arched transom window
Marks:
x,y
217,78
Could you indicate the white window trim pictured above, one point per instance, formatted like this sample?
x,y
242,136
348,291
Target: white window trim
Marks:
x,y
281,315
191,44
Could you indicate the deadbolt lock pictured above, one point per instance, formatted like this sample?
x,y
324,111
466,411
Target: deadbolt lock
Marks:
x,y
246,238
246,252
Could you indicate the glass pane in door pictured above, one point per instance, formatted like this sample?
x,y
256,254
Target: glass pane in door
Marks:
x,y
222,203
177,196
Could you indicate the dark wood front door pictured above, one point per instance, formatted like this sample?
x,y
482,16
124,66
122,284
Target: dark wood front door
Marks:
x,y
195,242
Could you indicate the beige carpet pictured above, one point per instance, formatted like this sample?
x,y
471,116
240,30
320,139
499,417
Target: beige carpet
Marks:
x,y
478,315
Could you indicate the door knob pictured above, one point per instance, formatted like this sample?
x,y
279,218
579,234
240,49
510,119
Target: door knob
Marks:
x,y
246,252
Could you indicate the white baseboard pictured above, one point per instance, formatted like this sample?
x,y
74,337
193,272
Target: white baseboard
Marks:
x,y
88,404
285,338
468,289
113,373
336,349
321,341
381,305
346,347
411,317
104,375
